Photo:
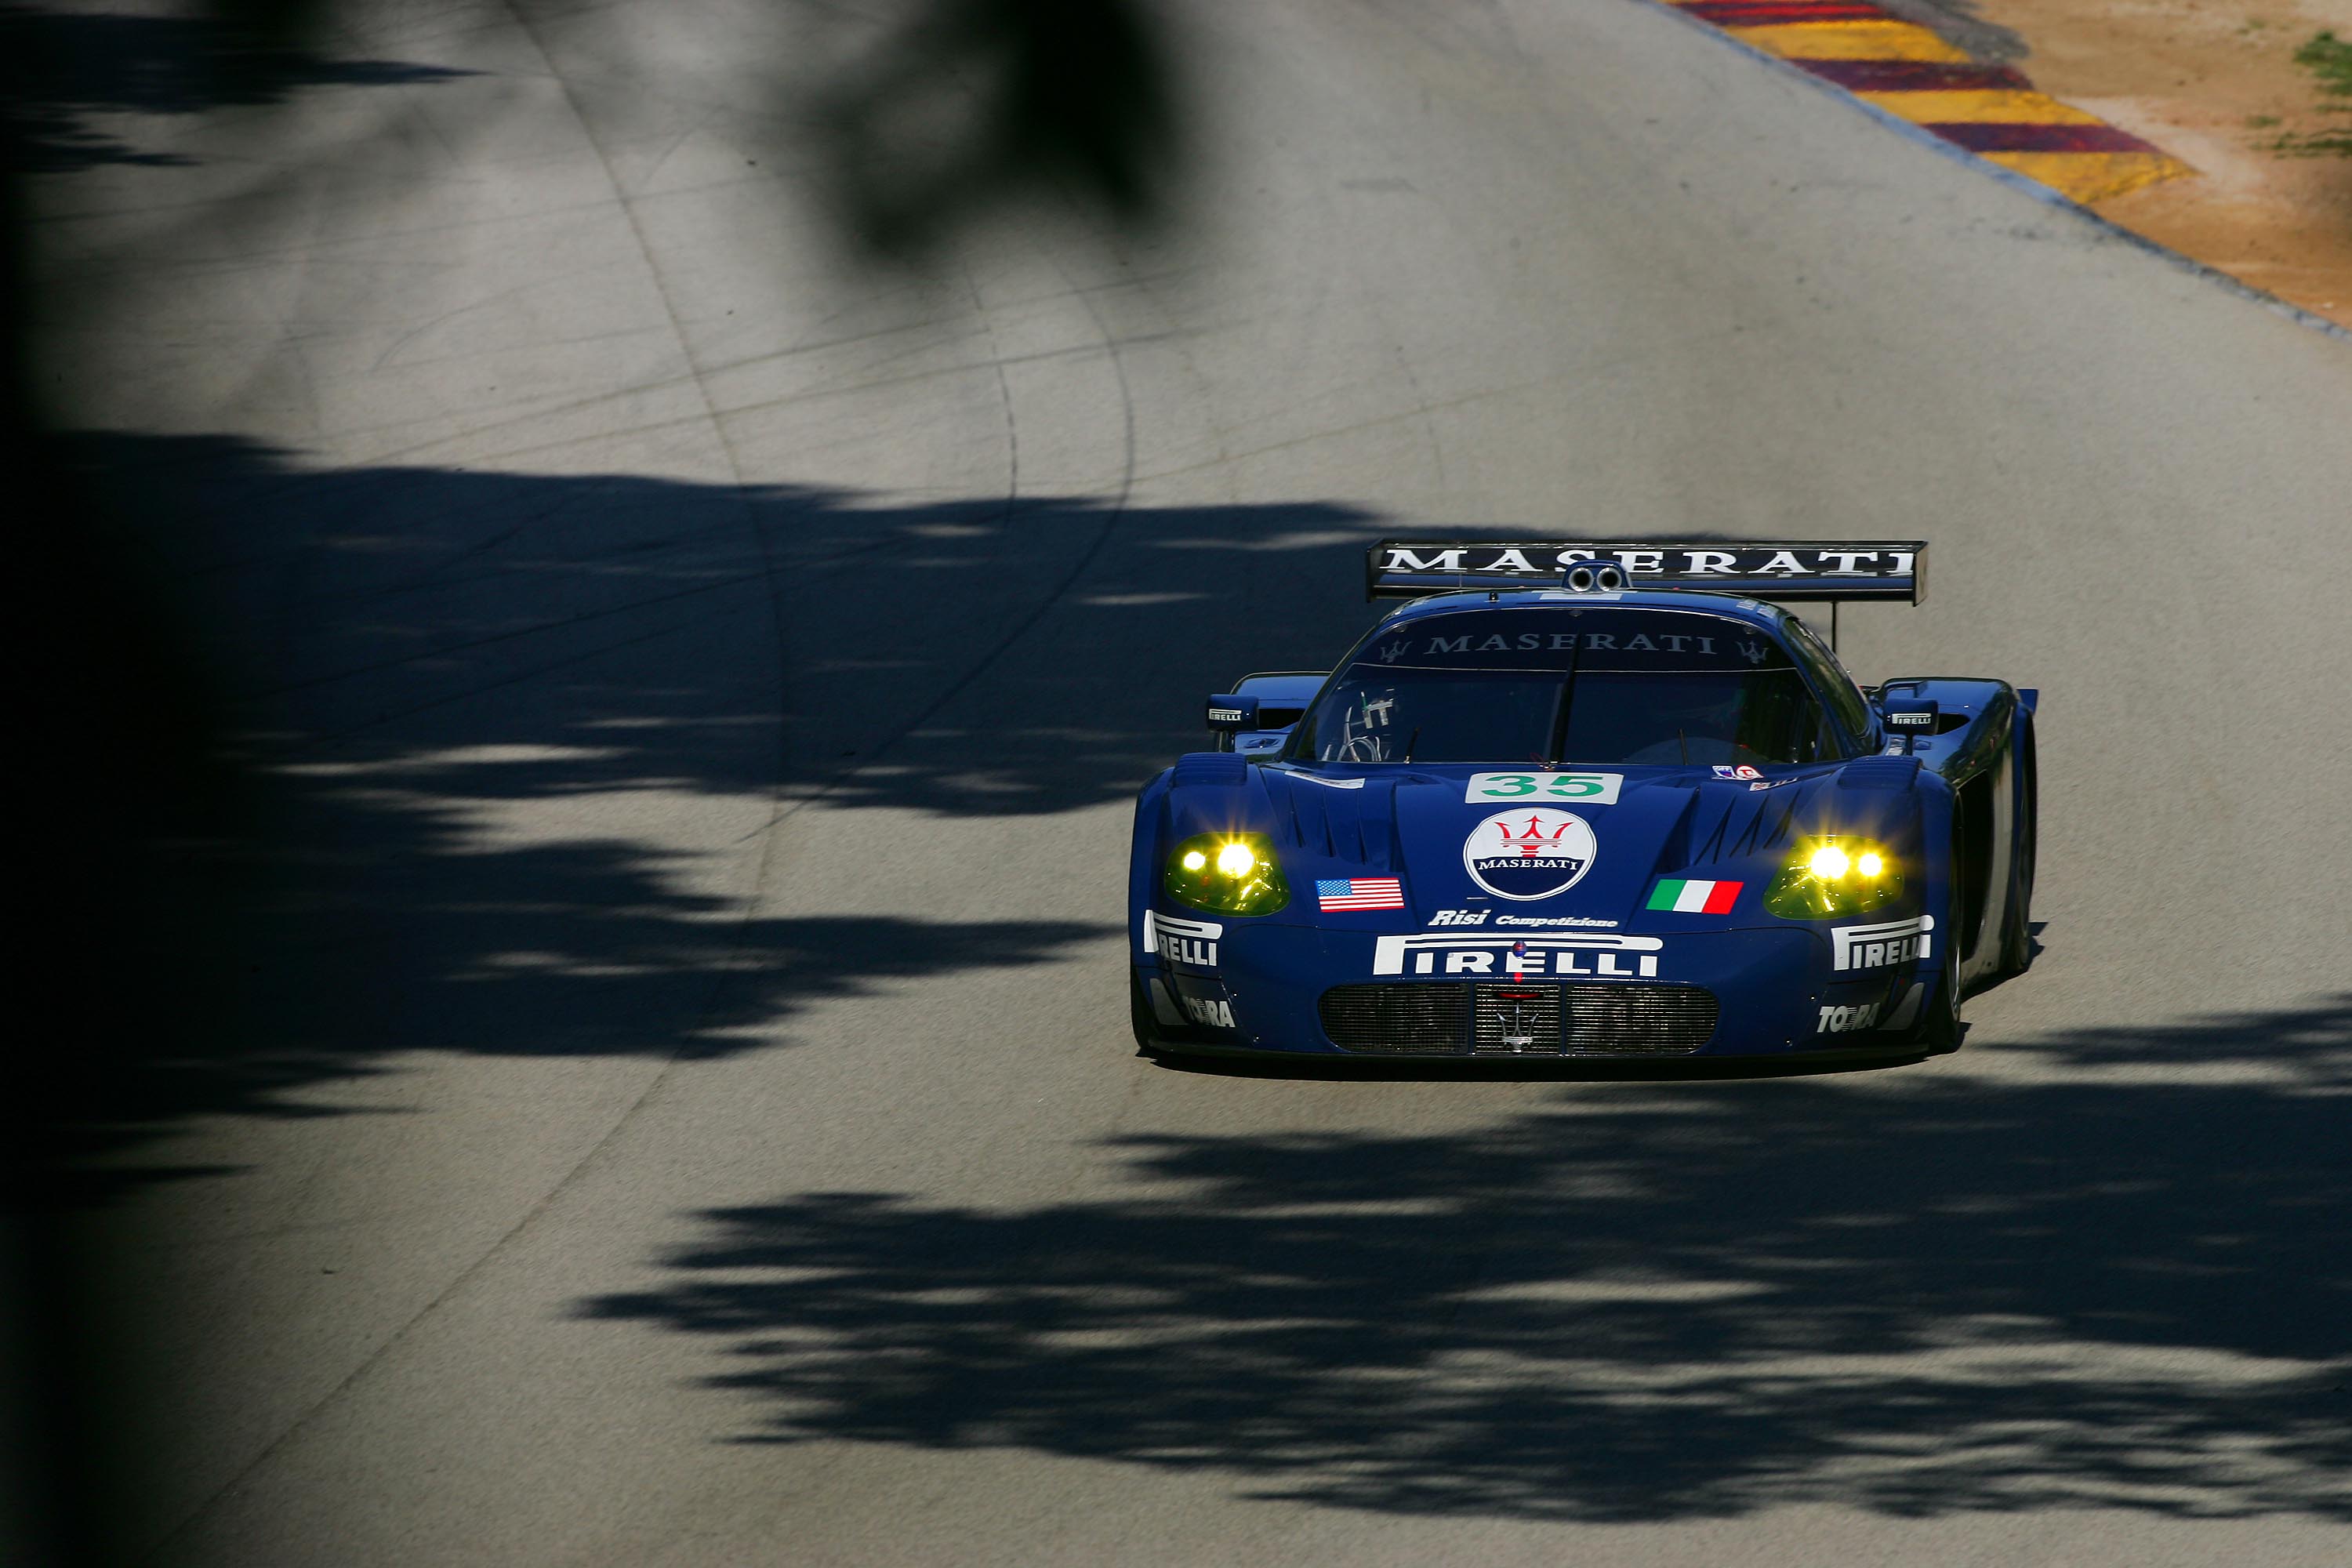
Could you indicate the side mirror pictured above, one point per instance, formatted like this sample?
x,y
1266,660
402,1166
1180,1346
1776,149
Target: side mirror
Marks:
x,y
1910,715
1228,714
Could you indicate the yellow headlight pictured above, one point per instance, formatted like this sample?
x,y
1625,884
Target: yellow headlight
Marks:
x,y
1226,873
1824,878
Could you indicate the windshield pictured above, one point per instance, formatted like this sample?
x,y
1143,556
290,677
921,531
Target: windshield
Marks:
x,y
1564,687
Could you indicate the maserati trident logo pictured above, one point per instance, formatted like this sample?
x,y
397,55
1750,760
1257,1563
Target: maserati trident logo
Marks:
x,y
1532,853
1752,652
1391,652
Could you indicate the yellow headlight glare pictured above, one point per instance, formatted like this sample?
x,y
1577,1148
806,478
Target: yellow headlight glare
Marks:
x,y
1227,874
1834,875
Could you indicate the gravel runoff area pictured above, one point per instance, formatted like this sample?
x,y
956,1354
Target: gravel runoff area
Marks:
x,y
2238,90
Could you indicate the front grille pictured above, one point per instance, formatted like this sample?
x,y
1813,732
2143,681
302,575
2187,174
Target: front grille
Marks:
x,y
1608,1018
1514,1020
1519,1020
1403,1017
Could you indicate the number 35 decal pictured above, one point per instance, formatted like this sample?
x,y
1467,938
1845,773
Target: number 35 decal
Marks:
x,y
1591,789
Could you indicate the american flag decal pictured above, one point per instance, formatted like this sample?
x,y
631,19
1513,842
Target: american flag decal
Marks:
x,y
1360,893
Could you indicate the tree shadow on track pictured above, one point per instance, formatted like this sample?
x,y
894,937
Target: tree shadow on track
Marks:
x,y
1922,1295
962,659
465,737
59,73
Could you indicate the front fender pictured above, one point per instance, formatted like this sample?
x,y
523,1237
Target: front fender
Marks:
x,y
1146,849
1205,792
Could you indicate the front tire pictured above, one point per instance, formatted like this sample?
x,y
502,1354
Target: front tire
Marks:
x,y
1138,1013
1940,1031
1939,1035
2017,925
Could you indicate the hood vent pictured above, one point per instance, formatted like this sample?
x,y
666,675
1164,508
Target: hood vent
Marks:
x,y
1879,773
1747,822
1346,825
1197,768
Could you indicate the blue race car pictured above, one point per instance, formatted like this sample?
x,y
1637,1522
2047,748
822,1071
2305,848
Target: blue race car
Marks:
x,y
1602,799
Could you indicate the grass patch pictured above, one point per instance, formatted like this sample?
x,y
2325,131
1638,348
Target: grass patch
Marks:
x,y
2328,58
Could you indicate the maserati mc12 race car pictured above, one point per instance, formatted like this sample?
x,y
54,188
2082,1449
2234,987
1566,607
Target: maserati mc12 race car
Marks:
x,y
1602,799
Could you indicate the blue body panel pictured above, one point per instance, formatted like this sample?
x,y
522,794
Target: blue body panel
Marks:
x,y
1226,983
1772,977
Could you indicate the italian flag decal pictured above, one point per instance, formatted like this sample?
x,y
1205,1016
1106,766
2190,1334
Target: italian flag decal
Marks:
x,y
1694,898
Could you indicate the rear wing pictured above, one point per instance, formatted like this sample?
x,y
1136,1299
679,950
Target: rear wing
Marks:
x,y
1785,570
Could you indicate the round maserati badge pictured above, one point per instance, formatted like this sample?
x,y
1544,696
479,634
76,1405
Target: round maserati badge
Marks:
x,y
1532,852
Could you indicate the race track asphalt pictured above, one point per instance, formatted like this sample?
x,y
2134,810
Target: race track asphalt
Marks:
x,y
679,1108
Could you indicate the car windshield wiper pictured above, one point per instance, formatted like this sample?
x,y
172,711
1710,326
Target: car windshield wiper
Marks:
x,y
1559,716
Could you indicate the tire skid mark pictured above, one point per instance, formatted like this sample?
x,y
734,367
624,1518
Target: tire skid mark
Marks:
x,y
1114,514
443,579
527,416
491,639
804,569
477,688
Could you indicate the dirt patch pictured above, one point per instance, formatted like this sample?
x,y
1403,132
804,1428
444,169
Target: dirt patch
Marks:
x,y
2216,84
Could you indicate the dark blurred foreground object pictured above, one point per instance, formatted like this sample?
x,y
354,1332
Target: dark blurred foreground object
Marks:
x,y
136,809
975,104
122,783
123,768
